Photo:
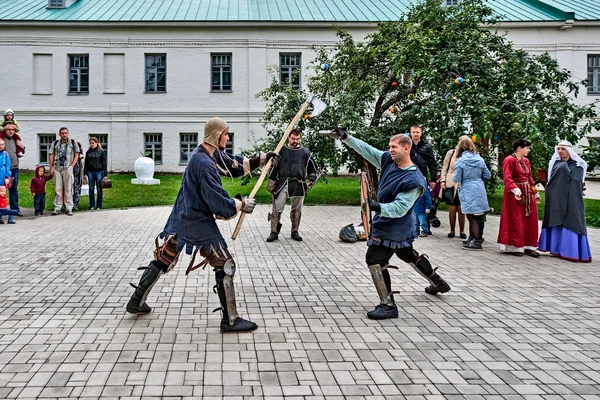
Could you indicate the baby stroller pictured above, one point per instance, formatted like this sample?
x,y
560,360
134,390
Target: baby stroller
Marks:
x,y
432,219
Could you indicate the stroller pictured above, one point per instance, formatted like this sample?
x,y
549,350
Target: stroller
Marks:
x,y
432,219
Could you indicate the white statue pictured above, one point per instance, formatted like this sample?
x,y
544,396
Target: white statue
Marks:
x,y
144,172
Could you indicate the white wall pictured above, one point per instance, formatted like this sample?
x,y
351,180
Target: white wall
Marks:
x,y
125,112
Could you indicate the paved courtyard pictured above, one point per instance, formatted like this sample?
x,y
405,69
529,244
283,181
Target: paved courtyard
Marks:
x,y
510,328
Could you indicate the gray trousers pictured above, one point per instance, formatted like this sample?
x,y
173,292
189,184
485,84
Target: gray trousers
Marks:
x,y
63,180
281,199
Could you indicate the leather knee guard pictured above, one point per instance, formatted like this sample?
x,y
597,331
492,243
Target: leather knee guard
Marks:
x,y
424,268
385,296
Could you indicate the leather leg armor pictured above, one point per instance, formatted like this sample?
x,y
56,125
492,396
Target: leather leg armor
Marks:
x,y
424,268
295,216
275,225
385,295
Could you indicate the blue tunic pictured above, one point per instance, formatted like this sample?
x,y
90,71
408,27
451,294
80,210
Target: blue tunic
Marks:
x,y
200,198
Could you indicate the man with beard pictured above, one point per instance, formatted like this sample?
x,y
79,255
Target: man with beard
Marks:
x,y
288,180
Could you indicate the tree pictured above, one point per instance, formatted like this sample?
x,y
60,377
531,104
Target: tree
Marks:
x,y
446,69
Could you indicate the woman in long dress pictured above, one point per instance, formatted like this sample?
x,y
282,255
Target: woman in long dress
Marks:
x,y
564,233
518,233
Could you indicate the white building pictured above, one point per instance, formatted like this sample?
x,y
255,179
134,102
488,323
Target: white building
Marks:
x,y
146,75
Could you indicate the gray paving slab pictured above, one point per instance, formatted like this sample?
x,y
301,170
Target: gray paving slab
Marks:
x,y
510,328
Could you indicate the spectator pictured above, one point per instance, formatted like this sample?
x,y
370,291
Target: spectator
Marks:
x,y
470,173
446,182
421,210
95,169
38,189
422,155
12,145
9,117
5,173
4,210
78,174
518,233
564,233
64,154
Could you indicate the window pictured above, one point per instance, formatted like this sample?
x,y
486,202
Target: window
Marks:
x,y
45,141
594,74
153,146
156,73
102,141
188,142
289,67
56,3
451,3
229,145
221,73
79,74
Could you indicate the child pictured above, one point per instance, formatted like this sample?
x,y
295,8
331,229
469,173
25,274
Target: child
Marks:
x,y
422,208
38,189
9,116
4,210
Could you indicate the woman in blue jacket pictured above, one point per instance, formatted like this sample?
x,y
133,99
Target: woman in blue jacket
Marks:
x,y
470,174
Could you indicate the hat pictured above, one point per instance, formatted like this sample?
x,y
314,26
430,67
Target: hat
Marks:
x,y
213,129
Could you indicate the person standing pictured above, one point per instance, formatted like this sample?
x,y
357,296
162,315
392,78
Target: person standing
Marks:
x,y
95,169
13,146
290,172
5,175
393,227
447,183
564,232
470,173
64,154
422,155
191,224
518,232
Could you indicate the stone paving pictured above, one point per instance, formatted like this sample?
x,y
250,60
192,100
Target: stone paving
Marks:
x,y
511,328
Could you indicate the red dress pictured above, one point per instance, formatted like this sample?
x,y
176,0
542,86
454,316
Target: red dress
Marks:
x,y
518,223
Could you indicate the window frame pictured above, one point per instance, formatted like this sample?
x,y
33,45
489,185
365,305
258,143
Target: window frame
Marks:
x,y
79,71
152,146
221,69
155,70
229,145
290,70
46,145
593,75
190,146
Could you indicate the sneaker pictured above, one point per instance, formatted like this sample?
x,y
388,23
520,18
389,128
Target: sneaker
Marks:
x,y
383,311
19,213
451,235
1,222
428,233
70,213
423,234
139,310
463,235
473,245
441,287
55,212
92,208
11,221
20,154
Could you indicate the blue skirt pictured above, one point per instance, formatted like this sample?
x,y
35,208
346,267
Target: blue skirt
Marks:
x,y
566,244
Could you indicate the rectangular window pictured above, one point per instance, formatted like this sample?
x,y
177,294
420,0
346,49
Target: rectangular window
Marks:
x,y
79,73
102,141
451,3
188,142
289,69
593,74
45,140
156,73
229,145
153,146
221,72
56,3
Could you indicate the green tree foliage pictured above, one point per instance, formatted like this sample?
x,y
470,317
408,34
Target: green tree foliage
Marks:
x,y
446,69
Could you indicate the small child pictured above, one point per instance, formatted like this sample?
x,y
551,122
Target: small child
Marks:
x,y
4,210
9,116
38,189
422,208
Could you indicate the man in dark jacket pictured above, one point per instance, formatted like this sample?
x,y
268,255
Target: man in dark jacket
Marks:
x,y
422,155
291,170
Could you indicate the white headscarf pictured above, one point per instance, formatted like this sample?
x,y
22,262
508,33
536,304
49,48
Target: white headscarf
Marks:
x,y
574,156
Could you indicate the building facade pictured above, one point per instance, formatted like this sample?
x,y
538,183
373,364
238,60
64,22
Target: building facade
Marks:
x,y
144,80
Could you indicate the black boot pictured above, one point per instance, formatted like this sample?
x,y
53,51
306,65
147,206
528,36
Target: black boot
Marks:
x,y
383,311
296,216
239,325
137,303
296,236
441,286
273,236
424,268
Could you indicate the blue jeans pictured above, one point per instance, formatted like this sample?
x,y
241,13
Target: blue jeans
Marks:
x,y
14,193
421,223
94,179
39,203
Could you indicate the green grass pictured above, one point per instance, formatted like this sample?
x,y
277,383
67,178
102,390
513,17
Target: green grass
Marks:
x,y
334,191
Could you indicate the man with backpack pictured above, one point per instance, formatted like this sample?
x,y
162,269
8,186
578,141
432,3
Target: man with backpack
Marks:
x,y
64,154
